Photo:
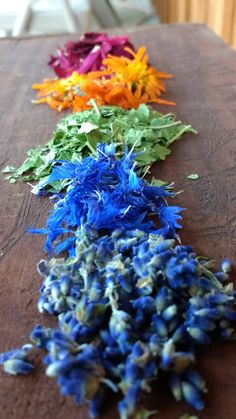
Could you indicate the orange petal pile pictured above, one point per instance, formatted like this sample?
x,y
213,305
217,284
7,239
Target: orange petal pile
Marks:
x,y
125,82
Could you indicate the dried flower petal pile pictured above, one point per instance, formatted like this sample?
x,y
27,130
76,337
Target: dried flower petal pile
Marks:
x,y
78,134
124,82
106,193
132,305
88,53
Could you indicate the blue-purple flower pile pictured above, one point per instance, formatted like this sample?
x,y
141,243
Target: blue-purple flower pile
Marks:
x,y
131,306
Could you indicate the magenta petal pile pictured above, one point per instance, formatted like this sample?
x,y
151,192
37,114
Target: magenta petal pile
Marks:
x,y
88,52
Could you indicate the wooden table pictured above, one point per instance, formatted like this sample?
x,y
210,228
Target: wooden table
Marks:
x,y
204,88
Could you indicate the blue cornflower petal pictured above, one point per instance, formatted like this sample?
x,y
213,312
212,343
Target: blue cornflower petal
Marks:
x,y
169,217
61,170
65,245
107,193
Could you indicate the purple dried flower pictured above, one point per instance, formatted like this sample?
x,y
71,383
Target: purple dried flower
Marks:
x,y
15,361
130,305
88,52
153,324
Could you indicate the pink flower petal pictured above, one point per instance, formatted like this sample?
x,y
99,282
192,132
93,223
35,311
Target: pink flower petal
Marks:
x,y
87,53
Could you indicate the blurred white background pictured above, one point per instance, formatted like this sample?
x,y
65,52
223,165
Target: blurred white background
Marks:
x,y
32,17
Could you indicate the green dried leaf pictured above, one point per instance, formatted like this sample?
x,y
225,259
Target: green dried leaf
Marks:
x,y
9,169
12,180
87,127
193,176
158,182
145,131
161,152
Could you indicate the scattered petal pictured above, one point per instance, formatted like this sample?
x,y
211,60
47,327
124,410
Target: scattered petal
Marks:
x,y
193,176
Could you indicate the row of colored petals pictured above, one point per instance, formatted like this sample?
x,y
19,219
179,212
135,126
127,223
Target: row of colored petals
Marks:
x,y
123,81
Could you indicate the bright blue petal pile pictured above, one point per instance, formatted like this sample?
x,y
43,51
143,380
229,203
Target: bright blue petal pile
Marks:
x,y
106,193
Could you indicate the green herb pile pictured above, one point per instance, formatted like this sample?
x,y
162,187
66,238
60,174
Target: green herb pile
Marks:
x,y
144,131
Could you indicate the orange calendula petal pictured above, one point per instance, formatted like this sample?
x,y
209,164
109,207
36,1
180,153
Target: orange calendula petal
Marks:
x,y
126,82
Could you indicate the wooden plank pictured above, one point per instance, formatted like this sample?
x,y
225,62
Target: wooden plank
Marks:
x,y
204,88
215,15
229,20
220,17
233,27
197,10
177,11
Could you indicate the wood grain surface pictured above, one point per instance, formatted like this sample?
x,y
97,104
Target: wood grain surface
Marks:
x,y
204,87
